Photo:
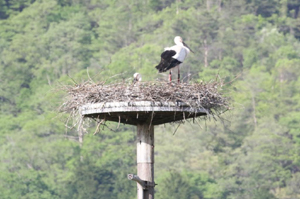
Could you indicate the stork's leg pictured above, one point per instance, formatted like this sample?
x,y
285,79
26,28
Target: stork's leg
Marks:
x,y
170,75
178,74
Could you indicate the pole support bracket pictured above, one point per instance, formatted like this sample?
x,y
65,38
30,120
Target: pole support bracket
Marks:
x,y
143,183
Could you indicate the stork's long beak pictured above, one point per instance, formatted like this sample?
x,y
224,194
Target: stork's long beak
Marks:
x,y
187,47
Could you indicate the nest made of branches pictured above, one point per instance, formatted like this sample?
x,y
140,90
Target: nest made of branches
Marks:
x,y
197,95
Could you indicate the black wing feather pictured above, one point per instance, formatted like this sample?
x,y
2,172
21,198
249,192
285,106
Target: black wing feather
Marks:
x,y
168,54
167,61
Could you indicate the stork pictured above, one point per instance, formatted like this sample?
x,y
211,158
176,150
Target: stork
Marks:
x,y
173,56
136,78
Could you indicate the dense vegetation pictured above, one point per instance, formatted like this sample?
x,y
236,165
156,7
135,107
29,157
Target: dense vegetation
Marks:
x,y
253,154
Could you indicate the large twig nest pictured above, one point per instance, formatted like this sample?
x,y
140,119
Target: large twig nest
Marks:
x,y
197,95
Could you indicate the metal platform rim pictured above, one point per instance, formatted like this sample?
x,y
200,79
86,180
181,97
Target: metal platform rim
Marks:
x,y
139,106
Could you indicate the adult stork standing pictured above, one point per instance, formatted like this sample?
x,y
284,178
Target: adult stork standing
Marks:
x,y
173,56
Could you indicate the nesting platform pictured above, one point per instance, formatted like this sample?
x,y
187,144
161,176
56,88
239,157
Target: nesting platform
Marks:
x,y
140,112
144,105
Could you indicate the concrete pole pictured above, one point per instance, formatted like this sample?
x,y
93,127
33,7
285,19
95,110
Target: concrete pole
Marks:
x,y
145,160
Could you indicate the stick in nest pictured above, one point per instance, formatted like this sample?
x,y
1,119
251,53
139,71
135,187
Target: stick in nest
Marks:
x,y
96,131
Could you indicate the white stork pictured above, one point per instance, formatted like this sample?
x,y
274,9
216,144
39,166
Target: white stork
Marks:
x,y
173,56
137,77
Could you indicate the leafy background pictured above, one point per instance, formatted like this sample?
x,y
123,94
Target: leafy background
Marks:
x,y
253,154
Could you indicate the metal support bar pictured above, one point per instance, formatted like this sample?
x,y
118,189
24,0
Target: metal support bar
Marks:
x,y
149,184
137,179
143,183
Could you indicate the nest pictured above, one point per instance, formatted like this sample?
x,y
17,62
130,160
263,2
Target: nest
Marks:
x,y
197,95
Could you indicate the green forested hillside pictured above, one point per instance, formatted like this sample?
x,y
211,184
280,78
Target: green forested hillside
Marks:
x,y
253,45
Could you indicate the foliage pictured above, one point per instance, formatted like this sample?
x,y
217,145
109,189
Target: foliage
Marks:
x,y
252,152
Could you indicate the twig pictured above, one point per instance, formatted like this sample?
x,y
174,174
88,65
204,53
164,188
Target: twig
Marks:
x,y
87,71
98,126
177,128
72,79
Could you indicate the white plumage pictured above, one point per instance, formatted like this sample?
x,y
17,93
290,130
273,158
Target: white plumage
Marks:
x,y
137,77
181,50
